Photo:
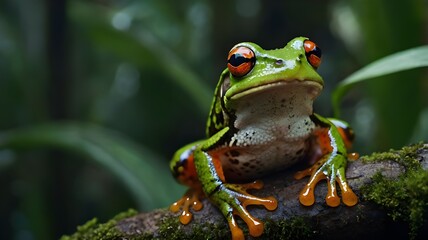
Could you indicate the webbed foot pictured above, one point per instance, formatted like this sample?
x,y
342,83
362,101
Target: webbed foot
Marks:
x,y
331,168
233,199
190,199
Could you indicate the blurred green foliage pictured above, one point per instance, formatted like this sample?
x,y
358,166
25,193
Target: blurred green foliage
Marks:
x,y
95,96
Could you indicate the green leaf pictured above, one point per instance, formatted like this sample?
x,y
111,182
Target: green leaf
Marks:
x,y
141,171
141,47
404,60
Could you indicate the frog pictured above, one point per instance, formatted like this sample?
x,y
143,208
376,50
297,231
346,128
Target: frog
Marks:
x,y
262,121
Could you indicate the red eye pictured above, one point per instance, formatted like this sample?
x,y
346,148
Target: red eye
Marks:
x,y
313,53
240,61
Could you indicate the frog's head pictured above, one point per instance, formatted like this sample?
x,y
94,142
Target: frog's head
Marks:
x,y
253,70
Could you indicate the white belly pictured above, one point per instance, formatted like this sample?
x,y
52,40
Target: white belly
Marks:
x,y
272,133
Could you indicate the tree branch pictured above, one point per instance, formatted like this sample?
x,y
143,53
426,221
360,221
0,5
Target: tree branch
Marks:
x,y
291,220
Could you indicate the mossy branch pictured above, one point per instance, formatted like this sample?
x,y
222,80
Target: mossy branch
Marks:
x,y
392,189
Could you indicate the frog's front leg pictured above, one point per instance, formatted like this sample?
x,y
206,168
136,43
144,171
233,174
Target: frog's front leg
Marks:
x,y
331,166
231,199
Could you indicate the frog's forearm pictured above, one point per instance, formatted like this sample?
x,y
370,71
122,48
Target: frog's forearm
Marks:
x,y
208,168
336,141
207,172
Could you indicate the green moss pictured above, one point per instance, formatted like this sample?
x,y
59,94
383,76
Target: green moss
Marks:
x,y
407,156
92,230
295,228
405,198
172,229
213,231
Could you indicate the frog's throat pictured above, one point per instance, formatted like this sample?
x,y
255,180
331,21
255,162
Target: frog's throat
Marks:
x,y
314,88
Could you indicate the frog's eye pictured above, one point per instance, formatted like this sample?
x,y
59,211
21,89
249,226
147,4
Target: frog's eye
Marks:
x,y
313,53
240,61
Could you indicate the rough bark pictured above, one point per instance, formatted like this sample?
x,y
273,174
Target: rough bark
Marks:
x,y
366,220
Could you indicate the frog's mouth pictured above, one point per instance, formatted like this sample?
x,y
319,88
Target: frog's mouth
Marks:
x,y
311,88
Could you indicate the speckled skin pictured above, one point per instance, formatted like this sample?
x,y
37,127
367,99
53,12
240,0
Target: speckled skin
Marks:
x,y
274,129
261,122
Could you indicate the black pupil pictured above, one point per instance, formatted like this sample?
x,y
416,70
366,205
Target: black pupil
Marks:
x,y
316,51
237,59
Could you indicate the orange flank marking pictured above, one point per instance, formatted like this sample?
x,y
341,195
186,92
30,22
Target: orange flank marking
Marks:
x,y
218,166
323,140
187,174
346,140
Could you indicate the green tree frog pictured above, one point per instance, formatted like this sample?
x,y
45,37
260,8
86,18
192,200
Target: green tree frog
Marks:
x,y
262,120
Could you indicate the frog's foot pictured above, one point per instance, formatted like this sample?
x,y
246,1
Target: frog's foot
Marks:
x,y
190,199
333,170
232,199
